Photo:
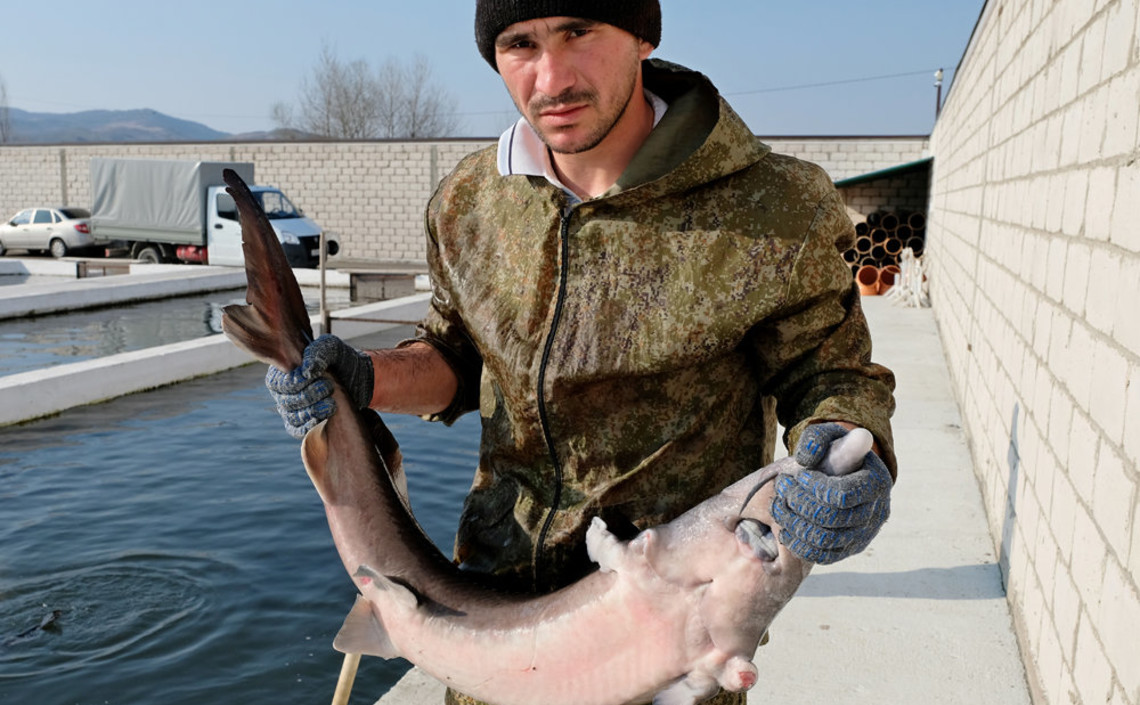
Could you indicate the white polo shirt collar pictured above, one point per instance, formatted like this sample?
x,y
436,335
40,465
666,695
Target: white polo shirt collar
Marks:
x,y
522,151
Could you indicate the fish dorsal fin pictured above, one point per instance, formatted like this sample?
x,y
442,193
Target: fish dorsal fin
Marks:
x,y
363,633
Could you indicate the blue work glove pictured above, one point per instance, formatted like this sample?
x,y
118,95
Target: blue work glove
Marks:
x,y
304,394
824,518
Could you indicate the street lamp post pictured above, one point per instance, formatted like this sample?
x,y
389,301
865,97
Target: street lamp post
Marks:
x,y
938,95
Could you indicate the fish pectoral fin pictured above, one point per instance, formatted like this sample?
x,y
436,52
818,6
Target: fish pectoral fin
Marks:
x,y
364,633
689,690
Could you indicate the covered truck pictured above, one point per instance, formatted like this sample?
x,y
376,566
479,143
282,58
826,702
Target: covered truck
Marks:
x,y
179,211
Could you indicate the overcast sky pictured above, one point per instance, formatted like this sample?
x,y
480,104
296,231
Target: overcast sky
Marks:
x,y
813,67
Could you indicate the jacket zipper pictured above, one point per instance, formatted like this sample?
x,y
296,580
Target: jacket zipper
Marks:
x,y
544,418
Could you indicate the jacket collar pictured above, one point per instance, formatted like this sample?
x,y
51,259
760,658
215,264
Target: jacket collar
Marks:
x,y
699,140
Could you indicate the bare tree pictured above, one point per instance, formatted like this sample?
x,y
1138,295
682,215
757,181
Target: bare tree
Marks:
x,y
282,116
350,101
429,110
391,79
5,118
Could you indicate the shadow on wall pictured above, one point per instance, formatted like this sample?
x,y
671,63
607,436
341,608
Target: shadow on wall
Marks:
x,y
1013,457
967,582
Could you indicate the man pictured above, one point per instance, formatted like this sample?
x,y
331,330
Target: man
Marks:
x,y
629,288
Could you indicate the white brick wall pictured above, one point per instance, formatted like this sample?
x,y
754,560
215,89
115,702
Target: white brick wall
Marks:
x,y
368,195
1033,254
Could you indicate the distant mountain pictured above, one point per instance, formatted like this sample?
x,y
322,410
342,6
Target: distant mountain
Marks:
x,y
143,125
281,134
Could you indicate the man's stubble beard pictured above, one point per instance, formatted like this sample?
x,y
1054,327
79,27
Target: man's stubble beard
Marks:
x,y
589,97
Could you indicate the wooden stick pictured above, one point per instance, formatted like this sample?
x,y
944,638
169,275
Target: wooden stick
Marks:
x,y
347,677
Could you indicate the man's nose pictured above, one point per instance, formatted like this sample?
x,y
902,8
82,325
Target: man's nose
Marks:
x,y
555,74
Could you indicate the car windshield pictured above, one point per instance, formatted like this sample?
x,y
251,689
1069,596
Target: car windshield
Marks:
x,y
75,213
276,205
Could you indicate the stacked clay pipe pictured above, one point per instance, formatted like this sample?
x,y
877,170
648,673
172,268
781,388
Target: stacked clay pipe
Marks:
x,y
879,242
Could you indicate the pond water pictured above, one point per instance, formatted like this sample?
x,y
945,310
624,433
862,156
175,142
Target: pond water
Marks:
x,y
45,341
186,552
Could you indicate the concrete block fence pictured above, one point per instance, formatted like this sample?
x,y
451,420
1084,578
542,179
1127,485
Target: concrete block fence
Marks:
x,y
847,157
369,195
1033,256
907,193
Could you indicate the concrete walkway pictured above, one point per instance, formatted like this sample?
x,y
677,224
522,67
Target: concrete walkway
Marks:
x,y
921,616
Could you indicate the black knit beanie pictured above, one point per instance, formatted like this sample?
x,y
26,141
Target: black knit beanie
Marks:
x,y
641,18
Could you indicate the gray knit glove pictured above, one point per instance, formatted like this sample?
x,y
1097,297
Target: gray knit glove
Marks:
x,y
827,518
304,394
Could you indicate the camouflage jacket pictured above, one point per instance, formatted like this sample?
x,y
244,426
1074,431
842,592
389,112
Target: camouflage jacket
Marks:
x,y
628,354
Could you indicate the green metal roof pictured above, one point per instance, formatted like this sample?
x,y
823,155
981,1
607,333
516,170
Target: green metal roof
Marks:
x,y
907,168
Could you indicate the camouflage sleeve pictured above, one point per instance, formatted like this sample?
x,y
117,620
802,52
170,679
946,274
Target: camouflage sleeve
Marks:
x,y
815,359
443,328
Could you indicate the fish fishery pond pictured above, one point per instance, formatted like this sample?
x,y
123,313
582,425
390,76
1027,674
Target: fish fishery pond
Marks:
x,y
185,550
45,341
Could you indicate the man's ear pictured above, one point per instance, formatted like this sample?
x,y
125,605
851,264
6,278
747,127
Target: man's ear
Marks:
x,y
645,49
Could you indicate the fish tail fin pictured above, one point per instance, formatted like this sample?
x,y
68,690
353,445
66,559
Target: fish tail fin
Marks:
x,y
274,327
364,633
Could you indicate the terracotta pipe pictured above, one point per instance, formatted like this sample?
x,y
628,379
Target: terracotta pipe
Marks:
x,y
878,235
873,219
889,222
894,247
903,233
917,221
850,256
917,245
868,280
887,276
863,245
862,229
879,252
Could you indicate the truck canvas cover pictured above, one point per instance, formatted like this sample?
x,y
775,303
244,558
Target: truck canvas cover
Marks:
x,y
155,200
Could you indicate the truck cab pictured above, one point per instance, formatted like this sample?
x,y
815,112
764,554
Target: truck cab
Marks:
x,y
300,237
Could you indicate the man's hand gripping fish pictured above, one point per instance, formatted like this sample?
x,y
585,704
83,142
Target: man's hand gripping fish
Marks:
x,y
669,617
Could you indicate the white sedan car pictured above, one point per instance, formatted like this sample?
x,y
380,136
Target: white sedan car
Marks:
x,y
55,230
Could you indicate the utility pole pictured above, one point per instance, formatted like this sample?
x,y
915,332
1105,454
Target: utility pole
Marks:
x,y
938,95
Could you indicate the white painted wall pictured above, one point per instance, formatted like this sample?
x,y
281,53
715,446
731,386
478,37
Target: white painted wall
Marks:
x,y
1033,256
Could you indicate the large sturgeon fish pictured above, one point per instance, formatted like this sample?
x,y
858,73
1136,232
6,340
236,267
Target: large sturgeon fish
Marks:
x,y
670,616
